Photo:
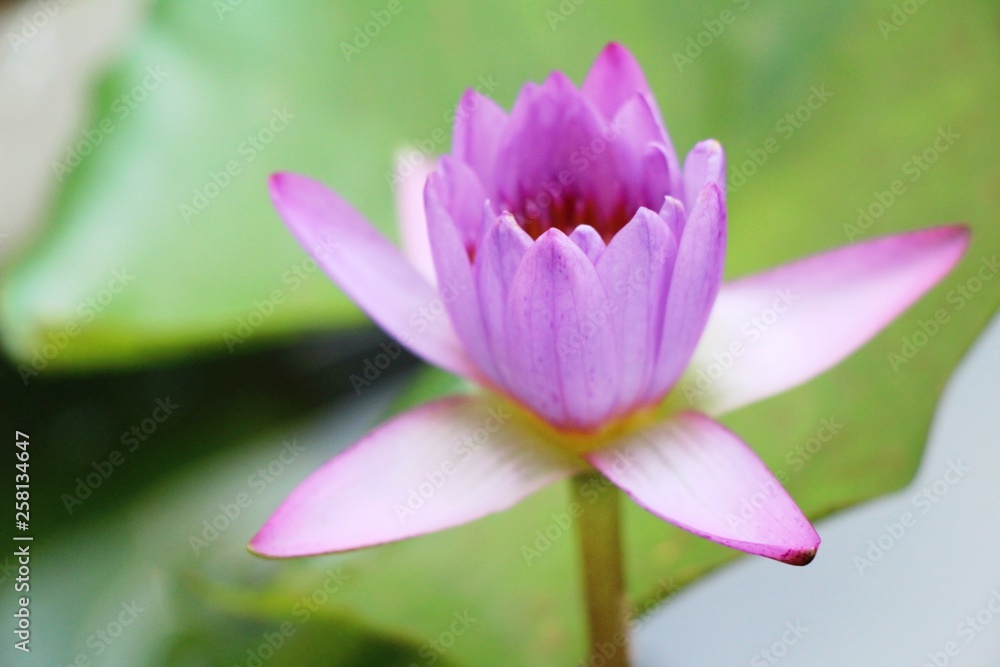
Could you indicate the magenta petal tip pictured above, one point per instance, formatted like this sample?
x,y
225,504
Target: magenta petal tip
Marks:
x,y
799,558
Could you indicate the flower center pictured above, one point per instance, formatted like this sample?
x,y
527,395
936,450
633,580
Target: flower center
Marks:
x,y
566,210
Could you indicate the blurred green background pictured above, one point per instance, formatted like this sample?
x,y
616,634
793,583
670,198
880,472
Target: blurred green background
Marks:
x,y
154,272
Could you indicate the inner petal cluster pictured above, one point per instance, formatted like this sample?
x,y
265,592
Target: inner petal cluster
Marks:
x,y
568,209
582,258
561,163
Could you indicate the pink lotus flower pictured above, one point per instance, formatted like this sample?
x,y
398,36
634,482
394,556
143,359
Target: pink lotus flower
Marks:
x,y
576,278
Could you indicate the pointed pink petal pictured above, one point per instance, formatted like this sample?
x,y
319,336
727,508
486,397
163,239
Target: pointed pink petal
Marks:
x,y
793,322
479,124
369,269
706,163
637,123
462,196
694,285
661,175
673,212
562,352
454,270
589,241
701,477
635,271
614,78
440,465
543,144
412,219
656,167
617,86
497,261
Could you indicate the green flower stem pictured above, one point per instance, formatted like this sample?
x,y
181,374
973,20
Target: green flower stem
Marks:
x,y
603,578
